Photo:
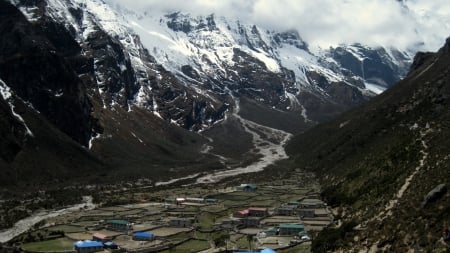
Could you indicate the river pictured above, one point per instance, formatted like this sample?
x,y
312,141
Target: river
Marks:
x,y
268,143
27,223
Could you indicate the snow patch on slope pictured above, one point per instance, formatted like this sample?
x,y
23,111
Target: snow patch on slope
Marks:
x,y
375,88
6,93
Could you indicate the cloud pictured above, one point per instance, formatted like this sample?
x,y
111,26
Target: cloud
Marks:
x,y
421,24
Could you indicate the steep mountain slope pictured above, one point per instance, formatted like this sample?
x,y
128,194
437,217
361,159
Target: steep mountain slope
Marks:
x,y
52,112
35,130
385,166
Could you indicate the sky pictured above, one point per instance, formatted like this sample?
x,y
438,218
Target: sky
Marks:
x,y
408,24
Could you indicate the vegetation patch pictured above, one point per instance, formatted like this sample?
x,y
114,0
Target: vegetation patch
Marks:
x,y
67,228
190,246
60,244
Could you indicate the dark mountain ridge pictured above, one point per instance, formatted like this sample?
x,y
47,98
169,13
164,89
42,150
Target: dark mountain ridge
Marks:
x,y
48,85
379,163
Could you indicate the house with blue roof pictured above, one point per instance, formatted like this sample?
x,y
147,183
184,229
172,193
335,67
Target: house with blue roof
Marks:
x,y
267,250
143,236
88,246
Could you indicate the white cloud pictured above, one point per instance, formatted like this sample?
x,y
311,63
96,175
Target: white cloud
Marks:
x,y
404,24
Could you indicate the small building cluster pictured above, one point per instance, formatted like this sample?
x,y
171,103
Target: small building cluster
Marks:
x,y
306,208
275,227
181,222
294,219
250,217
101,241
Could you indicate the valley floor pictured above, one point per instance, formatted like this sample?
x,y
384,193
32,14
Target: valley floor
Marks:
x,y
199,218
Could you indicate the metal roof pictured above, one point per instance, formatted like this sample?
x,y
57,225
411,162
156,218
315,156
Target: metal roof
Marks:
x,y
143,234
267,250
120,222
272,229
100,236
292,226
245,211
88,244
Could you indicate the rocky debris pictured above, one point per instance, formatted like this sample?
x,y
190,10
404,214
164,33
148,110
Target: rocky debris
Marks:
x,y
434,195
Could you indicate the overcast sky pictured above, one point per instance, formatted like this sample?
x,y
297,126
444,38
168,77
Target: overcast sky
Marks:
x,y
328,22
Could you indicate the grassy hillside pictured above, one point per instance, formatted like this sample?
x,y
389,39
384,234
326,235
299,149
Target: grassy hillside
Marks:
x,y
377,164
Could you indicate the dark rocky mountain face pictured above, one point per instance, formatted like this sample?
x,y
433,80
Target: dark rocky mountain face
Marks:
x,y
54,103
41,74
384,166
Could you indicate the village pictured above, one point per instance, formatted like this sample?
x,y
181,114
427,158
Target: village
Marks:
x,y
277,217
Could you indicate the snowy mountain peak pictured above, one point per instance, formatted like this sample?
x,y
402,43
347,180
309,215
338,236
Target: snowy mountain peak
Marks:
x,y
187,69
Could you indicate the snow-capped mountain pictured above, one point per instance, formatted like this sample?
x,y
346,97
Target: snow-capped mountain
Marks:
x,y
120,83
209,57
217,55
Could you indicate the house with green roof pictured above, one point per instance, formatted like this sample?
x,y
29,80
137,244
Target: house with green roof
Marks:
x,y
119,225
291,229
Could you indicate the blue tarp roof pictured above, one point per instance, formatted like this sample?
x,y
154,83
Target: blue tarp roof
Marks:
x,y
88,244
143,234
267,250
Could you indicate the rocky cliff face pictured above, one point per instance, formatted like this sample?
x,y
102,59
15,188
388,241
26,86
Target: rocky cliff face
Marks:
x,y
38,69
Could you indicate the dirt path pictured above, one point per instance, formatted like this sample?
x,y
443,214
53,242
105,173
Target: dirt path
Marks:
x,y
398,196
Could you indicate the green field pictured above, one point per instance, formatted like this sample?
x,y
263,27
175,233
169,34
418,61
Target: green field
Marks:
x,y
206,220
67,228
60,244
213,208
